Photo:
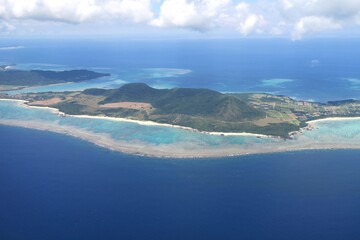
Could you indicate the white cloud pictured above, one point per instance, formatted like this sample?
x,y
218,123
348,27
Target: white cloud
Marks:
x,y
248,20
135,10
6,27
196,15
287,4
250,24
178,13
337,9
44,10
313,24
243,7
278,29
76,11
291,18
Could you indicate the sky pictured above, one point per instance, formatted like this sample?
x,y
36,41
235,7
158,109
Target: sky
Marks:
x,y
292,19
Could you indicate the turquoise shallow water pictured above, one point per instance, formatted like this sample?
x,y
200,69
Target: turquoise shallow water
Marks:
x,y
326,134
300,69
57,187
123,131
159,76
344,131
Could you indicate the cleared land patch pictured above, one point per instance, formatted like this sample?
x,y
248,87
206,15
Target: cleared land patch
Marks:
x,y
47,102
129,105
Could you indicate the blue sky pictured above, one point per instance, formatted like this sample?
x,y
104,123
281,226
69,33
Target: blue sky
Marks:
x,y
293,19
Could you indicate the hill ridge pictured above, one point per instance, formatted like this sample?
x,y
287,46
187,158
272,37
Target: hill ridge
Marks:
x,y
186,101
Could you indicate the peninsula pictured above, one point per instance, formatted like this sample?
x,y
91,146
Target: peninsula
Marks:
x,y
200,109
12,78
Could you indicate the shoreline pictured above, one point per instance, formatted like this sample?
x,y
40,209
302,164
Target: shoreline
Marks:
x,y
333,119
152,123
167,151
143,123
14,91
174,150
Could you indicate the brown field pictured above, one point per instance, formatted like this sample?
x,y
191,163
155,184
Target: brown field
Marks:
x,y
266,121
130,105
47,102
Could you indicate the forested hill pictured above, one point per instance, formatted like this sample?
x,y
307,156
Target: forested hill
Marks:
x,y
183,101
201,109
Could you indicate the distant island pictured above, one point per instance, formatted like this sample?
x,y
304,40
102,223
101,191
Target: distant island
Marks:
x,y
12,78
200,109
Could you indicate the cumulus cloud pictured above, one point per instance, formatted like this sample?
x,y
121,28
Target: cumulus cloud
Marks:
x,y
248,20
197,15
136,10
204,15
313,24
251,22
179,13
316,16
337,9
75,11
66,10
293,18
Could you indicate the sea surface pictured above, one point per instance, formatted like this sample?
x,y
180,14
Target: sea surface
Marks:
x,y
133,137
57,187
318,69
54,186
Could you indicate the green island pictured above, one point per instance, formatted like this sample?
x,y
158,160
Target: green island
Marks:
x,y
200,109
12,78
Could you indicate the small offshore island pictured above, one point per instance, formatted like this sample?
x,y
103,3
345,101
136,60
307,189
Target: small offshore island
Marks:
x,y
12,78
258,115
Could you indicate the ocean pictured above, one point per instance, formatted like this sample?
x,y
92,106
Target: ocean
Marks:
x,y
55,186
58,187
318,69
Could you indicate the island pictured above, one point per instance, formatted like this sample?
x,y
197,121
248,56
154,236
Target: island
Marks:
x,y
12,78
202,110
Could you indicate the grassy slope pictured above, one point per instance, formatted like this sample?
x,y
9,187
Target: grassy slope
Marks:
x,y
183,101
202,109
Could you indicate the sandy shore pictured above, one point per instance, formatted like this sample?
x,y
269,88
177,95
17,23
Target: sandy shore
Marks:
x,y
175,150
39,86
334,119
150,123
178,150
12,100
144,123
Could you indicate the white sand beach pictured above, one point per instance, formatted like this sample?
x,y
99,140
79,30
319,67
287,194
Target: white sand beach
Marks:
x,y
179,149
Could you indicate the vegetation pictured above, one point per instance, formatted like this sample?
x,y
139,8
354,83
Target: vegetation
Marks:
x,y
38,77
183,101
201,109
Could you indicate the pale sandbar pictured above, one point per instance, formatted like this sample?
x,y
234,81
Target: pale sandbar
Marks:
x,y
179,149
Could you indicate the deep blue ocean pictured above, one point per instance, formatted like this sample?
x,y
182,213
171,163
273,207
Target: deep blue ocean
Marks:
x,y
54,186
318,69
57,187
